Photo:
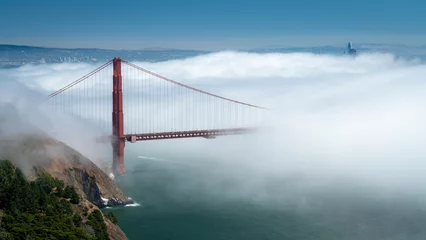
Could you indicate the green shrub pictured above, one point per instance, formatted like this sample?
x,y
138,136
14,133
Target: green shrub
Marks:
x,y
77,220
96,221
70,193
112,217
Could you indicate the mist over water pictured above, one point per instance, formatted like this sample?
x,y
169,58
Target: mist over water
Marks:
x,y
341,155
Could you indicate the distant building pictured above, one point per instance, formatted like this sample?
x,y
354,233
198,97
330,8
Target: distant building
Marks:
x,y
350,50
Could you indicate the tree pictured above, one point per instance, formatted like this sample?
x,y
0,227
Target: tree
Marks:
x,y
96,221
6,178
70,193
77,220
112,217
46,182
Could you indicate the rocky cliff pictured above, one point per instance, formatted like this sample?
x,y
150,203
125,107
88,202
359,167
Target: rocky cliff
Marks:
x,y
38,153
33,151
78,171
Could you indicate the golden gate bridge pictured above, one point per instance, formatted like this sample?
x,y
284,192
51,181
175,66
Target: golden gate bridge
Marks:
x,y
153,107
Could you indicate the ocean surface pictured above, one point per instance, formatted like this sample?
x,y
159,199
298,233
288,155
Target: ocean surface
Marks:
x,y
198,200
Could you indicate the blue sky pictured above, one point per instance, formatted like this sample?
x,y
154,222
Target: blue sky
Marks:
x,y
218,24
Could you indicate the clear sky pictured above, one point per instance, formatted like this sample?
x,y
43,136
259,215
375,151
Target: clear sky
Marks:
x,y
218,24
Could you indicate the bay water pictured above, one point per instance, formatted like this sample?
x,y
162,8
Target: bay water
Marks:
x,y
193,199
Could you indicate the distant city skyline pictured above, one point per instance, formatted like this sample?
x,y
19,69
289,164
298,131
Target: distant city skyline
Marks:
x,y
216,25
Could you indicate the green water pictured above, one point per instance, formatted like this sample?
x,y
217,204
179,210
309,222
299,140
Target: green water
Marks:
x,y
204,201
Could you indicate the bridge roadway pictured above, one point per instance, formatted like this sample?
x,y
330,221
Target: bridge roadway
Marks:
x,y
212,133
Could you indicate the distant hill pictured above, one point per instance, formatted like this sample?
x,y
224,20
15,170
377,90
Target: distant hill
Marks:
x,y
14,55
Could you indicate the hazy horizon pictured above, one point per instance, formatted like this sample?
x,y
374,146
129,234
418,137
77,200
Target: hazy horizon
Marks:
x,y
338,44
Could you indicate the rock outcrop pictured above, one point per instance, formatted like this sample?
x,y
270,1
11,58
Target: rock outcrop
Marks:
x,y
33,151
114,232
78,171
43,153
65,163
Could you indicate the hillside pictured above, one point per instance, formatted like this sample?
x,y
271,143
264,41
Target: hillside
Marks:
x,y
46,208
14,56
36,154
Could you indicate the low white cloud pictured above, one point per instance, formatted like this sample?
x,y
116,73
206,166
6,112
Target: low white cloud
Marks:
x,y
225,65
331,115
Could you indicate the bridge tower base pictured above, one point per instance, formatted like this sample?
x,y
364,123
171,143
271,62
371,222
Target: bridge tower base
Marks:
x,y
118,141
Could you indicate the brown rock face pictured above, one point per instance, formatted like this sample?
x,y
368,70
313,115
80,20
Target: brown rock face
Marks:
x,y
30,149
114,232
78,171
36,153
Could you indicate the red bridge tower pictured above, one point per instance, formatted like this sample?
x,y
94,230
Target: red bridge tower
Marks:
x,y
118,140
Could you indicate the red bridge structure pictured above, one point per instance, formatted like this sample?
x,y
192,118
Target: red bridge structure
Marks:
x,y
152,108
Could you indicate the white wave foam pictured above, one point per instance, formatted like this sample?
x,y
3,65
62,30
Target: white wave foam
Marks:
x,y
132,205
105,200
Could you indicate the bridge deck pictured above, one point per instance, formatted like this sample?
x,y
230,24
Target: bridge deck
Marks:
x,y
211,133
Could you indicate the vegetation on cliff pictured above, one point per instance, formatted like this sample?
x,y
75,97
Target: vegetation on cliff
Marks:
x,y
112,217
43,209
